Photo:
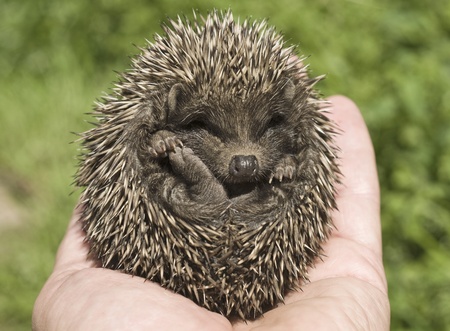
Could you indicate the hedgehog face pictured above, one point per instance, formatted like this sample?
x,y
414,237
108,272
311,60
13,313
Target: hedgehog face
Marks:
x,y
240,141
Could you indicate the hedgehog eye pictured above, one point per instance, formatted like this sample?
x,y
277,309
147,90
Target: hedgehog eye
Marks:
x,y
196,124
275,121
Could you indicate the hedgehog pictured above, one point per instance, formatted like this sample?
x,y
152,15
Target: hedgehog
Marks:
x,y
211,168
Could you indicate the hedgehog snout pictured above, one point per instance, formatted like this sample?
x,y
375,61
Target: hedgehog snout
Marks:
x,y
243,166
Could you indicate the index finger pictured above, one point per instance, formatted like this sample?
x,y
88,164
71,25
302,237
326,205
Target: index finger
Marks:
x,y
358,198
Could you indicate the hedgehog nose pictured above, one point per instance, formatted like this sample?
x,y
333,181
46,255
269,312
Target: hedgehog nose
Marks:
x,y
242,166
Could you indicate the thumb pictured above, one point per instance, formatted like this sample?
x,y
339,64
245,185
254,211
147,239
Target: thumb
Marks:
x,y
73,250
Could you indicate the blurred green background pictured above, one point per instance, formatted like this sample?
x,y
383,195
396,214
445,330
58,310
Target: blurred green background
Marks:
x,y
391,56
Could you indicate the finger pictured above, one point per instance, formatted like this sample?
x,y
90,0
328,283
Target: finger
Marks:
x,y
354,249
358,215
73,250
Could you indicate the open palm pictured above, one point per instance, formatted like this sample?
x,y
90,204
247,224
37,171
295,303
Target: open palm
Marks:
x,y
347,291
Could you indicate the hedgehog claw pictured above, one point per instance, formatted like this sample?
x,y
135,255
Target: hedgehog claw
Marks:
x,y
173,142
161,147
152,152
162,143
282,171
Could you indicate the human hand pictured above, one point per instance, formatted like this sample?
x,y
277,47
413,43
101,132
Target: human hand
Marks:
x,y
347,291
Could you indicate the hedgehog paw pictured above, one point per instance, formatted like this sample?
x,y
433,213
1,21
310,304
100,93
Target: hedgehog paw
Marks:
x,y
284,170
163,142
188,165
201,180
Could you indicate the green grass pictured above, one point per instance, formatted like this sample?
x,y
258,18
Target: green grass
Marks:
x,y
391,57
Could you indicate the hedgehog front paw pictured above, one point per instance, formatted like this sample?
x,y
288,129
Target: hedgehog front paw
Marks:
x,y
285,169
201,180
163,142
188,165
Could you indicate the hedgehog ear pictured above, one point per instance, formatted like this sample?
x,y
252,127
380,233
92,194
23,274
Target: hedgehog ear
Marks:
x,y
176,95
288,90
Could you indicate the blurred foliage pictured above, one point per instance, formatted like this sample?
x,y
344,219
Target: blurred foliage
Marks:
x,y
391,56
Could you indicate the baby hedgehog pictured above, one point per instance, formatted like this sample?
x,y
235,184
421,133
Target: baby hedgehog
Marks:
x,y
211,169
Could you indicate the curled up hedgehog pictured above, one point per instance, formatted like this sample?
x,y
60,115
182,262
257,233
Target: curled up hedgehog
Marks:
x,y
212,169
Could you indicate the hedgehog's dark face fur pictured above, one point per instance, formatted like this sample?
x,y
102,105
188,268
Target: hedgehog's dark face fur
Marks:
x,y
212,168
241,142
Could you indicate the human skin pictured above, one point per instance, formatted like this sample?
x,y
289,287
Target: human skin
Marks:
x,y
347,288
